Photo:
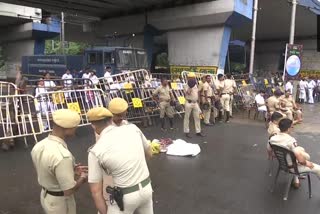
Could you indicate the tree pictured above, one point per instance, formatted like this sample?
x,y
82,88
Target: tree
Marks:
x,y
162,60
53,47
2,57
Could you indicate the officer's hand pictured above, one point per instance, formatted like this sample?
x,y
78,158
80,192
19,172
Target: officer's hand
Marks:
x,y
79,168
310,165
84,175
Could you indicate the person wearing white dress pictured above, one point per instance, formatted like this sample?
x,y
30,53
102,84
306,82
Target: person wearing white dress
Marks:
x,y
68,82
289,86
311,85
261,103
44,105
108,76
302,91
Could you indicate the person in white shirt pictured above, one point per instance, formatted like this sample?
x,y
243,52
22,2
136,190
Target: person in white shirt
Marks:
x,y
302,91
85,77
261,103
68,79
108,76
49,84
289,86
93,77
311,85
43,105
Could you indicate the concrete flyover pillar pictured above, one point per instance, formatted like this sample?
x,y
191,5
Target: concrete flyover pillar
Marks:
x,y
207,46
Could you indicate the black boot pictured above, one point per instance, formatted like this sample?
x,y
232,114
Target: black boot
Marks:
x,y
163,121
171,123
220,116
227,116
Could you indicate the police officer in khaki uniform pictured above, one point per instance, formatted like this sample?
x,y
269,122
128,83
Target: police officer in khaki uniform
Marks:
x,y
163,95
55,165
226,88
234,89
119,107
287,102
207,100
192,105
273,104
120,152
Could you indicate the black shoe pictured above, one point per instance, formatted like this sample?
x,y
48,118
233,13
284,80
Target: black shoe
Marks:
x,y
228,117
163,129
200,134
208,124
188,135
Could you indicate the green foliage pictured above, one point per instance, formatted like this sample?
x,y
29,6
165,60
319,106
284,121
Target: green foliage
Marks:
x,y
53,47
237,67
2,57
162,60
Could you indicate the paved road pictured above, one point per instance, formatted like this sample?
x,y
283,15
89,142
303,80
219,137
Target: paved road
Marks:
x,y
229,175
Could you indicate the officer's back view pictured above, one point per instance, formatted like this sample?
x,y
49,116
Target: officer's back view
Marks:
x,y
120,152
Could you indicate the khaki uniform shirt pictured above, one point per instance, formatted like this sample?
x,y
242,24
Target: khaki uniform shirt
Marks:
x,y
208,88
200,85
285,140
219,85
273,129
120,155
287,101
194,95
54,164
273,104
229,86
163,92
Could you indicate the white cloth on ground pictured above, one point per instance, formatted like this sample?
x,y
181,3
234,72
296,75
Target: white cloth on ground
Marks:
x,y
182,148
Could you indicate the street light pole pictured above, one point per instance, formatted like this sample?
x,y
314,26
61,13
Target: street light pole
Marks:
x,y
291,42
253,38
62,38
293,21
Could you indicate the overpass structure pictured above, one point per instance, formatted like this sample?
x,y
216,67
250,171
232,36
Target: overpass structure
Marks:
x,y
194,32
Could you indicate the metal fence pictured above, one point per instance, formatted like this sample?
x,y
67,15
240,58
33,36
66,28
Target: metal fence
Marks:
x,y
18,117
8,88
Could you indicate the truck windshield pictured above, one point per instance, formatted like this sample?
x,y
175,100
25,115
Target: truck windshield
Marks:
x,y
126,59
142,61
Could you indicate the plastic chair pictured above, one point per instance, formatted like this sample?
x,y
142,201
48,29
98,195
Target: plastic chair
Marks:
x,y
291,168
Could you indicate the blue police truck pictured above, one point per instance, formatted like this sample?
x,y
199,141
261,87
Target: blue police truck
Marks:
x,y
96,58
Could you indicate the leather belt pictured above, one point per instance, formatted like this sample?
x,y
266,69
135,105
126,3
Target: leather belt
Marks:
x,y
136,187
53,193
191,101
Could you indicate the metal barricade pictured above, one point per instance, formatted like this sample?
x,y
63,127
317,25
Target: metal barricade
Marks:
x,y
184,75
58,84
139,78
246,95
81,101
8,88
18,118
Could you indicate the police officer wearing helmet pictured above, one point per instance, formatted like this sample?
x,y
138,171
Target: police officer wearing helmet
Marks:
x,y
118,107
192,105
119,152
55,165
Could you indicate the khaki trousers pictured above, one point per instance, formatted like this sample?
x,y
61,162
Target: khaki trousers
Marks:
x,y
139,202
207,114
195,109
225,100
57,204
231,104
166,109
